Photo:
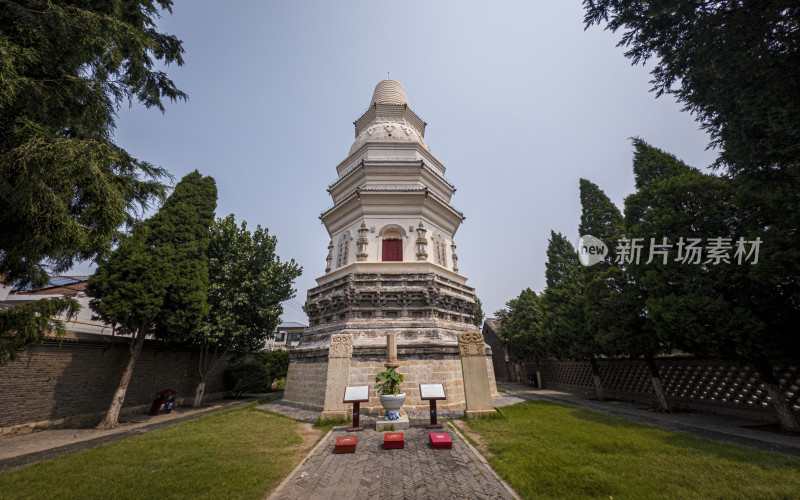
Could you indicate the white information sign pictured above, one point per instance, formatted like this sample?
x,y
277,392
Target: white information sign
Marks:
x,y
359,393
431,391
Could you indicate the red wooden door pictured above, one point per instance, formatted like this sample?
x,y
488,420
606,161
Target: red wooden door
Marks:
x,y
392,250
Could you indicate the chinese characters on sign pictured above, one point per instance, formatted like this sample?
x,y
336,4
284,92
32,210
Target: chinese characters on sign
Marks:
x,y
689,251
715,251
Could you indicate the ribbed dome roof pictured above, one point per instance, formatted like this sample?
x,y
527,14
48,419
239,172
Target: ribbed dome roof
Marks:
x,y
389,92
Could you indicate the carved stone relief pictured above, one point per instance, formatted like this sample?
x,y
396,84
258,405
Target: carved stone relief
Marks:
x,y
329,258
341,346
362,243
422,243
471,344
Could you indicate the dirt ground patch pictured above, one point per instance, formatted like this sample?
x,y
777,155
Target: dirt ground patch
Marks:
x,y
310,435
476,439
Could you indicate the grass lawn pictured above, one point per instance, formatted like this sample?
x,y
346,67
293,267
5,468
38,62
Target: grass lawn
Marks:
x,y
545,450
241,453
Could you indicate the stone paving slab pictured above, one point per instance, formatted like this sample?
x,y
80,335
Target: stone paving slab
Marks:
x,y
290,411
415,472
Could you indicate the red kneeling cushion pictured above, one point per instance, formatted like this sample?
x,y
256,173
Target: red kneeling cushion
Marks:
x,y
441,441
393,440
346,444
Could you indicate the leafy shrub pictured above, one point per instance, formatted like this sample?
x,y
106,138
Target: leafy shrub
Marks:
x,y
247,377
281,384
276,362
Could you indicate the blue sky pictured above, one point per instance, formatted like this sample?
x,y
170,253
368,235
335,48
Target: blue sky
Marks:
x,y
520,101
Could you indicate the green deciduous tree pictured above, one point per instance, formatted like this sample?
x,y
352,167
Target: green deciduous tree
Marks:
x,y
519,328
65,186
156,282
247,377
277,363
248,283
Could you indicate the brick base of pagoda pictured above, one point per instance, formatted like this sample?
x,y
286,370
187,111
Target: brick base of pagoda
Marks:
x,y
346,342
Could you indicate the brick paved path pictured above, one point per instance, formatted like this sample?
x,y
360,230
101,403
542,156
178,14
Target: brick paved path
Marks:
x,y
416,472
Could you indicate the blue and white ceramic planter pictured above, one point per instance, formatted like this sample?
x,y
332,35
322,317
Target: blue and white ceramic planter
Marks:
x,y
392,405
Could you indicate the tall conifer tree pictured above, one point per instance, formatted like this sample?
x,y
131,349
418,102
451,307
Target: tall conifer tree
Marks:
x,y
734,65
615,303
703,308
156,282
519,327
563,324
686,300
65,186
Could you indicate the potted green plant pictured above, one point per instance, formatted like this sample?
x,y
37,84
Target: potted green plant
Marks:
x,y
388,387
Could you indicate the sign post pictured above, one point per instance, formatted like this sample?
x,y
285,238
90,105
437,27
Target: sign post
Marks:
x,y
432,393
356,395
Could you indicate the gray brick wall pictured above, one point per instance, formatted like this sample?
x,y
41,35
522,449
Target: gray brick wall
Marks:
x,y
57,381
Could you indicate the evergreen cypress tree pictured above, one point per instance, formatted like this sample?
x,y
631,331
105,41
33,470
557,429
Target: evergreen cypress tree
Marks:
x,y
65,186
615,303
704,309
562,304
734,65
477,318
563,323
156,282
686,302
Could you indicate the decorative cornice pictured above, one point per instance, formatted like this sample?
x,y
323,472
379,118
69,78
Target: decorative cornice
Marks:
x,y
375,106
424,190
361,164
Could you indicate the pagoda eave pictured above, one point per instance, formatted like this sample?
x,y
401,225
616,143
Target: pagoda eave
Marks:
x,y
407,203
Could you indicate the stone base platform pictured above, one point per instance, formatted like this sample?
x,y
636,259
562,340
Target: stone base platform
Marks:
x,y
351,317
309,380
480,413
392,425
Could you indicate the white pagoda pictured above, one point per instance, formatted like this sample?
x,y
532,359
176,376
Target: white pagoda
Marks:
x,y
391,268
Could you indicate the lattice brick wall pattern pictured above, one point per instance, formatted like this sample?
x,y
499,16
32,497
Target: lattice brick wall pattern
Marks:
x,y
689,382
570,373
625,376
724,383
